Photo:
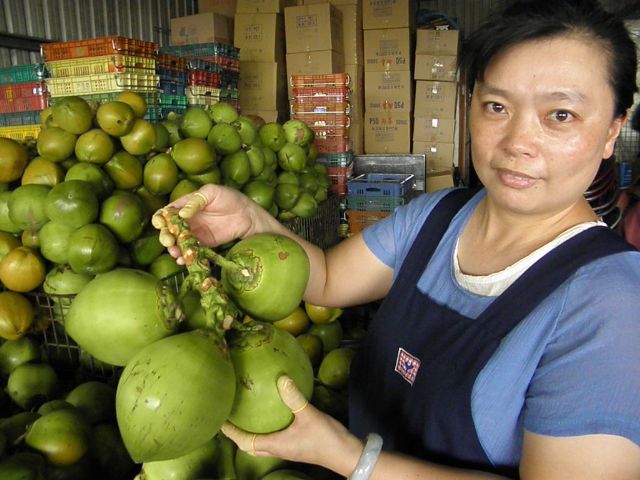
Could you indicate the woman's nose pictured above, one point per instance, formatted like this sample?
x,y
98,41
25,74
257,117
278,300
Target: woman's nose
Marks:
x,y
522,135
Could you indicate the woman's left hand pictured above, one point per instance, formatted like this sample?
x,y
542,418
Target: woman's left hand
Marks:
x,y
313,437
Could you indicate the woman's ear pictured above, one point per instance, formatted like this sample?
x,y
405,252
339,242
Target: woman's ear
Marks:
x,y
612,136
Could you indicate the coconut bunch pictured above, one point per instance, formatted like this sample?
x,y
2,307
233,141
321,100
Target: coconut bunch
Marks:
x,y
273,164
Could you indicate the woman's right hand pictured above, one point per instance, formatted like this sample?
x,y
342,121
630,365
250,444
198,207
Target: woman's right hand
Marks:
x,y
217,215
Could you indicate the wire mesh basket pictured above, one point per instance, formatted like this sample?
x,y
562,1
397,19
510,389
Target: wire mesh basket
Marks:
x,y
61,350
322,228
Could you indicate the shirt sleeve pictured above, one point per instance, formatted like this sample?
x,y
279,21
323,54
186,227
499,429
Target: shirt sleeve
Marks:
x,y
390,238
588,379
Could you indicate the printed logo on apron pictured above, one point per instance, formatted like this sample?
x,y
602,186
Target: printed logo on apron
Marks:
x,y
407,365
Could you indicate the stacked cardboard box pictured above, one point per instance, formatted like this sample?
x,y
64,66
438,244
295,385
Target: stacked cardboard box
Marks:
x,y
259,34
353,48
436,101
314,40
388,86
206,27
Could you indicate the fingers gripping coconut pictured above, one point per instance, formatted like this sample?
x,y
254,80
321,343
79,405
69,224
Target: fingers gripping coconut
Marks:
x,y
264,274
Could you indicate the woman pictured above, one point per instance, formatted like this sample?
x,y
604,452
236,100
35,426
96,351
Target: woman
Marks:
x,y
508,341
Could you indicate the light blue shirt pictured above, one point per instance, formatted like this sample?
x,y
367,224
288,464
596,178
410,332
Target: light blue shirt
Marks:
x,y
572,367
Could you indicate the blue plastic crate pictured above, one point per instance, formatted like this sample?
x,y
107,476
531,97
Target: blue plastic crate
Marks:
x,y
172,88
381,184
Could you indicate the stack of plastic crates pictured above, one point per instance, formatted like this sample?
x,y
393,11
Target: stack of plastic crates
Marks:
x,y
23,95
213,71
322,102
373,196
174,77
99,69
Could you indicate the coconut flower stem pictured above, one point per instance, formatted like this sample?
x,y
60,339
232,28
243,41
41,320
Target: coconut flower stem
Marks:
x,y
221,313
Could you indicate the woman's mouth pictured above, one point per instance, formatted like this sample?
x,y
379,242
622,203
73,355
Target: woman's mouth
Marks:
x,y
515,179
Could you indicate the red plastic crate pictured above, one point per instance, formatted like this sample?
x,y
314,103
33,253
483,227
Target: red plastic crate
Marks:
x,y
321,80
331,139
323,119
204,78
22,90
321,100
98,46
24,104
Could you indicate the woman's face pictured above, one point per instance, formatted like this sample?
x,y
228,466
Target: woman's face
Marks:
x,y
541,121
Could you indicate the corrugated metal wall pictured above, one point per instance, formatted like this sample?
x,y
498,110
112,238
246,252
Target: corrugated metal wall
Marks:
x,y
63,20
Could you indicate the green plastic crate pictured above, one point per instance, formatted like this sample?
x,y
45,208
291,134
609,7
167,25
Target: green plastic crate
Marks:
x,y
22,73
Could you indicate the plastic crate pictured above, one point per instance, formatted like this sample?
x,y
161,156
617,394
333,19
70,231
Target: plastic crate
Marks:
x,y
22,73
167,75
381,184
167,61
359,220
323,119
96,47
371,203
24,104
197,90
209,49
325,100
339,177
320,80
21,133
20,118
102,83
172,88
168,100
204,78
22,90
343,159
150,98
104,64
203,65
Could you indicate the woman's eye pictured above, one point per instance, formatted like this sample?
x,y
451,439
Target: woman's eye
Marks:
x,y
561,115
494,107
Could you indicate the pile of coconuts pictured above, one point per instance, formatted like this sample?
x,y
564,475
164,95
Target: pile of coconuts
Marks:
x,y
203,359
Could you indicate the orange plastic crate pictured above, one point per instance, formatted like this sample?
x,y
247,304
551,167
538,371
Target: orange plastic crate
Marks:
x,y
359,220
324,80
98,46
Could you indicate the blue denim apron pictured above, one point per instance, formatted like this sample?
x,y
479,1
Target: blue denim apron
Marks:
x,y
412,378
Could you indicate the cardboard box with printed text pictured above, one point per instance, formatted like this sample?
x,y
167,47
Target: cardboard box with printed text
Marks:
x,y
388,91
259,36
439,156
313,27
387,132
435,99
429,129
436,67
262,86
437,42
388,14
201,28
387,49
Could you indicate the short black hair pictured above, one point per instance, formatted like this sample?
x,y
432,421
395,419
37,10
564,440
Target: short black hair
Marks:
x,y
526,20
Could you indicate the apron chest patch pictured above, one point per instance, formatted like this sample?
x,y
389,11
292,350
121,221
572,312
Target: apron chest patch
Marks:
x,y
407,365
